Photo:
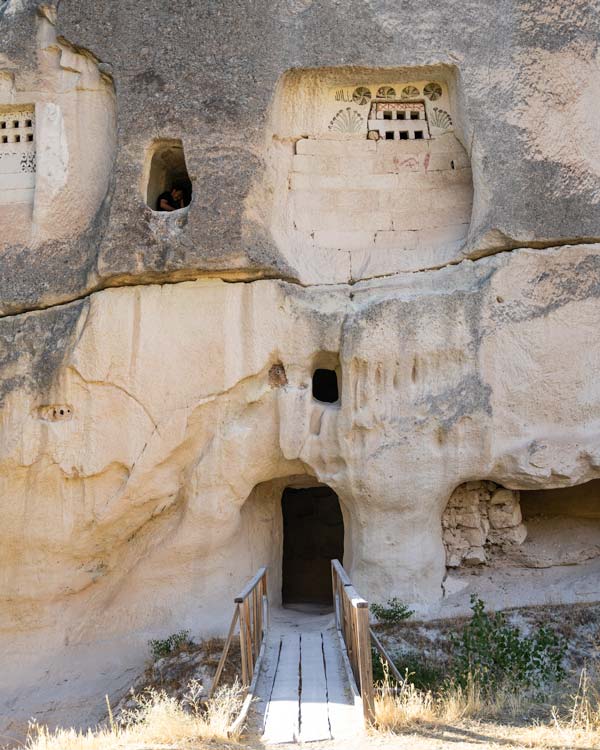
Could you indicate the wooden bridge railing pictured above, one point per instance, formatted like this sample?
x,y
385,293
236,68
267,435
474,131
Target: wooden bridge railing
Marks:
x,y
252,611
352,620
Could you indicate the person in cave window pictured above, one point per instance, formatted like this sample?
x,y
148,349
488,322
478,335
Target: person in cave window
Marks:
x,y
171,200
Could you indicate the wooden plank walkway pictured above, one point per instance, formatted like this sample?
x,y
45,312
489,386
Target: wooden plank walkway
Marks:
x,y
303,691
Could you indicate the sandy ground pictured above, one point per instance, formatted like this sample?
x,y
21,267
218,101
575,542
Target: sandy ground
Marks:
x,y
469,736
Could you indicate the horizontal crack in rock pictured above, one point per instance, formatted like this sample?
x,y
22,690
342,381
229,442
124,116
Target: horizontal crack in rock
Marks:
x,y
216,276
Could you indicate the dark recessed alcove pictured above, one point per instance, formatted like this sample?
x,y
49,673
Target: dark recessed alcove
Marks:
x,y
325,386
313,535
167,171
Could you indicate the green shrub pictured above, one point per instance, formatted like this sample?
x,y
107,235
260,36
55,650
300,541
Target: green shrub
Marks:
x,y
166,646
423,673
393,613
493,652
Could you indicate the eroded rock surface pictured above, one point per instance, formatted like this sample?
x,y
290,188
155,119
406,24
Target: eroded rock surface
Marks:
x,y
523,103
477,515
153,411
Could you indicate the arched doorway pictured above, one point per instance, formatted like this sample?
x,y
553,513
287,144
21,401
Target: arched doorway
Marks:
x,y
313,535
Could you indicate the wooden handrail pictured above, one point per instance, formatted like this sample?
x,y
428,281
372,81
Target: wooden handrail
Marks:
x,y
338,568
387,658
252,584
352,621
252,611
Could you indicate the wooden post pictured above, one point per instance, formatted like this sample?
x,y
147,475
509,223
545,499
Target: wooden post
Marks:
x,y
252,605
258,610
243,643
365,662
265,594
248,634
223,658
334,593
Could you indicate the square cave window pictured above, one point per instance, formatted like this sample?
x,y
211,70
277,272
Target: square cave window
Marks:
x,y
404,135
4,139
325,386
414,115
389,135
387,115
28,123
419,134
2,124
15,123
30,137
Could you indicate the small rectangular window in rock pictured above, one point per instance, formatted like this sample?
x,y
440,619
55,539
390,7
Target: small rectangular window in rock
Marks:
x,y
325,386
17,154
404,120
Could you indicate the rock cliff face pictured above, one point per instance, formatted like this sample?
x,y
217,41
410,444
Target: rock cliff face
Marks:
x,y
157,370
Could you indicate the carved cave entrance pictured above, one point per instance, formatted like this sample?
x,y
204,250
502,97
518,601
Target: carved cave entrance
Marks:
x,y
166,170
313,535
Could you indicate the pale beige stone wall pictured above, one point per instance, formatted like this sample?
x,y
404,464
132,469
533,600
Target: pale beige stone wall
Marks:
x,y
344,206
141,508
73,111
390,205
479,514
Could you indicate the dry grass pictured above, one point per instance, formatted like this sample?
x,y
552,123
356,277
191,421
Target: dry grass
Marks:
x,y
575,723
158,721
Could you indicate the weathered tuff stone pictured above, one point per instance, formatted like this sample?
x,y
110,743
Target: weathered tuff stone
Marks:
x,y
210,76
141,508
479,513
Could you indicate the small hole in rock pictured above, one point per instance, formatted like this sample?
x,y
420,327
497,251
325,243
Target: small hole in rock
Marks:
x,y
277,376
389,135
325,386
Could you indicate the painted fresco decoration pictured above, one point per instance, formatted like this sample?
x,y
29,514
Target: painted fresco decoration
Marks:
x,y
439,118
410,92
355,120
28,162
17,155
361,95
343,96
386,92
433,91
347,121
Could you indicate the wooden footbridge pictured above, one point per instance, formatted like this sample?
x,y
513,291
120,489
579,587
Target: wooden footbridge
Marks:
x,y
307,676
